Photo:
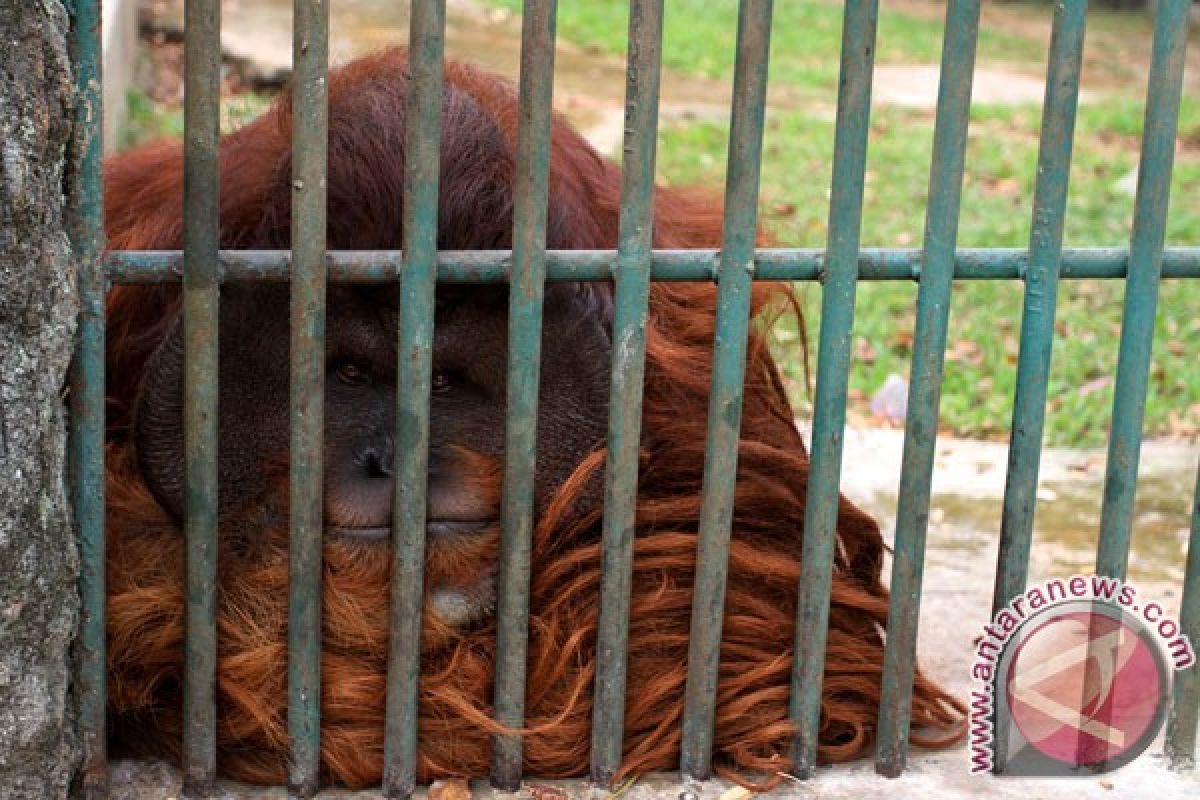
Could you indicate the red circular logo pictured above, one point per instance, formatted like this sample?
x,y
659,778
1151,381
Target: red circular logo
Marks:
x,y
1087,687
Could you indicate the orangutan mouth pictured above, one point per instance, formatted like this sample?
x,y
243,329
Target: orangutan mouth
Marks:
x,y
434,528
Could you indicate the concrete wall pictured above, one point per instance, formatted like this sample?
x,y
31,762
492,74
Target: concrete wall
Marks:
x,y
120,55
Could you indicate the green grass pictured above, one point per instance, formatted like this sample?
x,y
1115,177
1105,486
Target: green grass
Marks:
x,y
997,197
699,37
985,316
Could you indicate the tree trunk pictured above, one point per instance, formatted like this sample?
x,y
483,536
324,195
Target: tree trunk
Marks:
x,y
39,603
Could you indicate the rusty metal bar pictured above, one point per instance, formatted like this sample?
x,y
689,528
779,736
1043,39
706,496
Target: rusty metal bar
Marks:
x,y
1141,291
85,219
628,374
524,362
310,133
1185,702
422,151
921,422
201,288
495,266
1041,294
833,365
734,280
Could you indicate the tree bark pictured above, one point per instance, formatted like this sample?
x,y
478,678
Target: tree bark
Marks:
x,y
39,604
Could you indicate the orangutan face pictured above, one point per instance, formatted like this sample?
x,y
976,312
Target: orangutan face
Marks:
x,y
466,408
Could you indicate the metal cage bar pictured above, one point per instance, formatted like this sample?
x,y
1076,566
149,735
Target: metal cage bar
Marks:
x,y
422,165
920,432
1141,291
630,303
833,366
85,218
1041,295
1185,700
524,365
494,266
201,293
734,280
310,133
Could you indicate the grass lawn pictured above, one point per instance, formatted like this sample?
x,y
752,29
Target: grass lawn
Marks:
x,y
1001,165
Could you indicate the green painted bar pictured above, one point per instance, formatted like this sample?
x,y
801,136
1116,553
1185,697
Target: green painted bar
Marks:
x,y
833,365
422,164
921,422
310,133
1141,291
85,220
201,287
628,373
1041,293
1185,703
1037,319
495,266
738,236
524,362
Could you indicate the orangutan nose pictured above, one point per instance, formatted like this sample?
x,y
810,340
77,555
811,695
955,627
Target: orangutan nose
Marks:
x,y
376,459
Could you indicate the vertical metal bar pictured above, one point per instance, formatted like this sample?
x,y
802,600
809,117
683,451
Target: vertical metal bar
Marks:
x,y
86,221
920,431
1041,293
1141,290
418,282
1037,320
201,285
628,375
524,362
1185,704
735,278
833,364
310,129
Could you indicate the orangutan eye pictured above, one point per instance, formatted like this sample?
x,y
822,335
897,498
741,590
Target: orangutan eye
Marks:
x,y
441,383
351,374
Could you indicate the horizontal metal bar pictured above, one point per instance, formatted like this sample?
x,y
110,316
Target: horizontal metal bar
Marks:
x,y
201,293
530,187
921,422
738,235
310,128
495,266
634,243
833,368
422,166
1141,292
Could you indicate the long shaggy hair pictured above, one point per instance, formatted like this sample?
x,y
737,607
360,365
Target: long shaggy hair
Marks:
x,y
145,550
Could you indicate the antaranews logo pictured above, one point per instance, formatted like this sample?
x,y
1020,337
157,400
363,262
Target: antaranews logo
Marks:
x,y
1072,678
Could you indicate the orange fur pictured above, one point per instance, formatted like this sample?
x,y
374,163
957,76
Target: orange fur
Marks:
x,y
145,560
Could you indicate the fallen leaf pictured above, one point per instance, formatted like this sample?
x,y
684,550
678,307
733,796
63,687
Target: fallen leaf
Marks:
x,y
965,351
450,789
542,792
1094,386
863,351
